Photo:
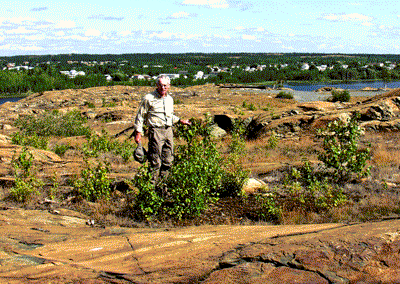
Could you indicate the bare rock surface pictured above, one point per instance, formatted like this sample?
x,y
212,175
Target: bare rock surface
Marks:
x,y
37,246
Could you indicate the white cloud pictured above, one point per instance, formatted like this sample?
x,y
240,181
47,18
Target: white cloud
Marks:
x,y
222,36
92,32
77,37
20,30
65,25
347,17
21,47
163,34
249,37
180,15
60,33
17,20
35,37
211,3
260,29
367,24
125,33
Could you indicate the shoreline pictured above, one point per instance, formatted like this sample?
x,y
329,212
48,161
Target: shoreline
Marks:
x,y
310,96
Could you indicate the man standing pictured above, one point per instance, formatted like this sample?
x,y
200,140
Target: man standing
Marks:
x,y
156,110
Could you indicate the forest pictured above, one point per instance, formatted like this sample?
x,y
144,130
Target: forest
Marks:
x,y
22,75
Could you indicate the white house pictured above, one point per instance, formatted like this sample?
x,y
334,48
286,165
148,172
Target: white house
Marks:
x,y
199,75
305,66
171,76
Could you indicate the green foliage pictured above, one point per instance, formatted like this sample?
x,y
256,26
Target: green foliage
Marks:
x,y
103,144
53,124
47,76
21,138
237,146
60,149
273,141
108,104
89,105
250,106
197,178
147,202
26,182
309,191
342,156
284,95
340,96
94,183
267,207
196,175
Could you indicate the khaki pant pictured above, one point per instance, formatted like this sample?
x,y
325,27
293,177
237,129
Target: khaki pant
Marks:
x,y
161,155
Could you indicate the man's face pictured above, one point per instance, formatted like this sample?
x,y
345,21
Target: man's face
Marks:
x,y
162,87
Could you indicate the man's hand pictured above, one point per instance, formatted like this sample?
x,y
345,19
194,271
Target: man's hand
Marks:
x,y
138,137
185,122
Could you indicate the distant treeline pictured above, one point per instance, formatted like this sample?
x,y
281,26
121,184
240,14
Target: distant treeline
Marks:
x,y
205,59
221,68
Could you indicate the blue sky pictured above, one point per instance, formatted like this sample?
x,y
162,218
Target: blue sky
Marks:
x,y
177,26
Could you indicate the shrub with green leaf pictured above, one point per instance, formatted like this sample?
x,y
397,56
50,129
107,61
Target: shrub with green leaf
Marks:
x,y
340,96
26,182
94,183
53,123
33,140
284,95
196,178
341,155
147,202
104,143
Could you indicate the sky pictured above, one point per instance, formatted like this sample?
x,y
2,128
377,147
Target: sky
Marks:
x,y
208,26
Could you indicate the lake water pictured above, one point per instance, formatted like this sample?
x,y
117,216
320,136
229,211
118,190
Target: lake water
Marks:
x,y
4,100
346,86
305,92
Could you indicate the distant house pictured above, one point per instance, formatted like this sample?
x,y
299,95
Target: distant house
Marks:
x,y
199,75
73,73
171,76
20,67
138,77
305,66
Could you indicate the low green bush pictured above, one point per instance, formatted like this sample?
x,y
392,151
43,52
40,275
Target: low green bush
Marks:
x,y
61,149
285,95
341,155
53,123
94,183
33,140
340,96
104,143
197,178
26,183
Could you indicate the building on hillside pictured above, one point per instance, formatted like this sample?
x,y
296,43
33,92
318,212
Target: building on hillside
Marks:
x,y
199,75
305,66
171,76
73,73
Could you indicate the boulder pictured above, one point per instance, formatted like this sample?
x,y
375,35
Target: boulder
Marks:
x,y
318,106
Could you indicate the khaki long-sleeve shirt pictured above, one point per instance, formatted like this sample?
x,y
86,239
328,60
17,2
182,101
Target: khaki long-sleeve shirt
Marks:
x,y
155,111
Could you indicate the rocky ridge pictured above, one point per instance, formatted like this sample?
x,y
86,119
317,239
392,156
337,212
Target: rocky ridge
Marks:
x,y
56,245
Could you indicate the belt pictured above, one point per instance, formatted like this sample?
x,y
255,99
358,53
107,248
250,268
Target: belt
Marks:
x,y
162,127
